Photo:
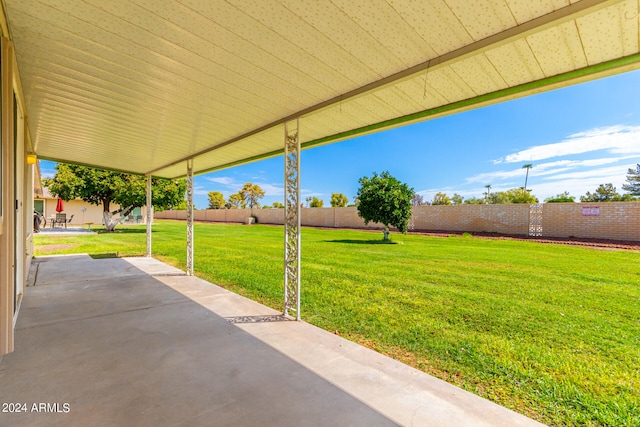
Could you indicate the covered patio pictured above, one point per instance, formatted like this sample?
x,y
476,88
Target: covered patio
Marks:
x,y
133,341
173,89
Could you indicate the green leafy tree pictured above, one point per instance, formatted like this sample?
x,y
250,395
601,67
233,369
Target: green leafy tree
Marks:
x,y
514,195
384,199
498,198
182,206
474,201
457,199
606,193
216,200
277,205
561,198
236,201
633,181
316,203
441,199
251,194
520,195
103,187
339,200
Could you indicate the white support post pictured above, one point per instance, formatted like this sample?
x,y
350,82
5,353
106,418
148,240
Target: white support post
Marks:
x,y
149,215
292,220
190,217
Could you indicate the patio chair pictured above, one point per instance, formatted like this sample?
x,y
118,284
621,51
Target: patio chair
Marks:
x,y
61,218
68,221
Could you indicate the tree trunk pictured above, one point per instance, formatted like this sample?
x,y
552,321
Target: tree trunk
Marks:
x,y
386,233
110,222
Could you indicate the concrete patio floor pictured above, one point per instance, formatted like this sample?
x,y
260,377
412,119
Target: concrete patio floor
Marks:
x,y
135,342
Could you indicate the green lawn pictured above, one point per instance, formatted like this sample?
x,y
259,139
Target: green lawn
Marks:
x,y
551,331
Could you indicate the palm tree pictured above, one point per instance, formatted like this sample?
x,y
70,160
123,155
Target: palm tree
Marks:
x,y
527,167
486,195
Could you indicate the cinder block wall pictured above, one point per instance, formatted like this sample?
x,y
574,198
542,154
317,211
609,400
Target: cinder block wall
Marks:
x,y
503,219
617,221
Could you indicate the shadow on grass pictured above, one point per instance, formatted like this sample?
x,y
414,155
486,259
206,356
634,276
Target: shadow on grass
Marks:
x,y
104,255
363,242
123,231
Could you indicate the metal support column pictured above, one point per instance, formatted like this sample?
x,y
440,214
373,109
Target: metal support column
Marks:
x,y
149,215
190,217
292,219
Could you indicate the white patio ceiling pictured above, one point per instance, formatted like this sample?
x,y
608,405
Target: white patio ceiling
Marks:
x,y
143,85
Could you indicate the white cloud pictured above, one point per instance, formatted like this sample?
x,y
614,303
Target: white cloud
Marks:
x,y
224,180
549,179
616,139
496,176
613,173
548,169
271,189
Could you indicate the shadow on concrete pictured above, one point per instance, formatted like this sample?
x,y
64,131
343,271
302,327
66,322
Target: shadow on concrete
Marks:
x,y
105,343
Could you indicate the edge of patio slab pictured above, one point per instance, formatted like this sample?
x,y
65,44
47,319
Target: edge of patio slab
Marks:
x,y
406,395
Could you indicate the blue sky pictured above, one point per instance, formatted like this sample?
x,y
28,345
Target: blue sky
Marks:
x,y
576,138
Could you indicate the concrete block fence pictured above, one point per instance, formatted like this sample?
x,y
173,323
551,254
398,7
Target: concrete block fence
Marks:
x,y
614,221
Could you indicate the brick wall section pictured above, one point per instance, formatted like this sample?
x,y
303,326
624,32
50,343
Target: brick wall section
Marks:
x,y
616,221
503,219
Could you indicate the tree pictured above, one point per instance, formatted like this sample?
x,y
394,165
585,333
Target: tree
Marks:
x,y
514,195
441,199
277,205
251,193
487,193
216,200
418,200
103,187
316,203
633,179
606,193
384,199
236,201
561,198
520,195
498,198
474,201
527,167
339,200
457,199
182,206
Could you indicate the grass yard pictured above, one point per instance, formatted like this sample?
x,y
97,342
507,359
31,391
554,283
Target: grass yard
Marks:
x,y
550,331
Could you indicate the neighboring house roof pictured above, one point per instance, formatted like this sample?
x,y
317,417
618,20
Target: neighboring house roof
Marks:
x,y
142,86
45,194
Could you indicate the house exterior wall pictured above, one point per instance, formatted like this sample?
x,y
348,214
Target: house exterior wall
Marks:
x,y
92,213
615,221
16,189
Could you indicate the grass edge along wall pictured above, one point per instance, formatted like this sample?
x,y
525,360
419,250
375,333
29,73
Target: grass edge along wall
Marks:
x,y
611,220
